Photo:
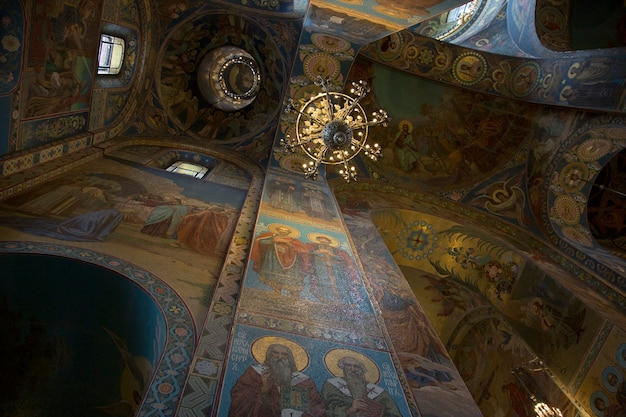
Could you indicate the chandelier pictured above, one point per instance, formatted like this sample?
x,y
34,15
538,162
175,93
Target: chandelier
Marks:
x,y
523,375
331,128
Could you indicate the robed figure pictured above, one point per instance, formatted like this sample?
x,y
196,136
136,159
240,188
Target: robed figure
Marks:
x,y
333,273
280,258
353,391
276,386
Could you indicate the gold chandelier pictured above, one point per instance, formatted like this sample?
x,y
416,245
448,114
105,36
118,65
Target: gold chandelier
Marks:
x,y
332,128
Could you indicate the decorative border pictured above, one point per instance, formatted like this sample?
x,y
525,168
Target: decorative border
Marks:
x,y
549,82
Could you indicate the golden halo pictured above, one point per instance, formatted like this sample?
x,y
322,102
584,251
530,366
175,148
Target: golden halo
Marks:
x,y
294,233
406,122
259,349
331,359
313,238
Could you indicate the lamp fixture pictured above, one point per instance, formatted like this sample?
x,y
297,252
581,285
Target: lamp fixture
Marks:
x,y
544,410
332,128
523,376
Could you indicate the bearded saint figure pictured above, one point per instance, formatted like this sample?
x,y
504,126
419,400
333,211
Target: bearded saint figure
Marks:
x,y
354,396
275,389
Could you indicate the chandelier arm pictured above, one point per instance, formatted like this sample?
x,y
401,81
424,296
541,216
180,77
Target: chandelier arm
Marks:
x,y
290,107
348,172
309,117
357,125
305,140
369,123
329,103
288,146
345,165
324,83
358,143
313,171
355,102
361,89
372,152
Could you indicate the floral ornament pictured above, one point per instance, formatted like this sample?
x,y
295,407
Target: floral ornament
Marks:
x,y
10,43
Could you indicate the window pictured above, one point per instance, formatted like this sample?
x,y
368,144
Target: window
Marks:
x,y
448,24
461,13
111,55
187,168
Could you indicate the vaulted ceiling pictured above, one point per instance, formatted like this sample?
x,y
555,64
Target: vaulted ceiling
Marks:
x,y
510,119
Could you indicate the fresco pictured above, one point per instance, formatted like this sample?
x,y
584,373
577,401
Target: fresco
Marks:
x,y
12,33
604,385
504,195
432,378
291,261
66,337
319,378
394,15
37,132
300,199
518,78
548,317
456,272
157,215
495,37
441,137
317,268
188,268
445,302
11,56
554,23
344,24
62,53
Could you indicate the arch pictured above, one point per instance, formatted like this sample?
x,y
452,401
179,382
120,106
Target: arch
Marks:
x,y
572,172
508,349
168,378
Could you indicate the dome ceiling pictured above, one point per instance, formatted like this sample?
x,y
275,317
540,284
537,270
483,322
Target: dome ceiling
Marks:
x,y
181,65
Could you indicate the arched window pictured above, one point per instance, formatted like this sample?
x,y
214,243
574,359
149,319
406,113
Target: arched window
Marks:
x,y
456,18
449,23
111,56
461,13
188,168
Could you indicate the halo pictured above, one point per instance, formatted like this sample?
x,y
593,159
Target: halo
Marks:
x,y
331,359
259,349
313,238
592,399
605,377
406,122
621,359
294,233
